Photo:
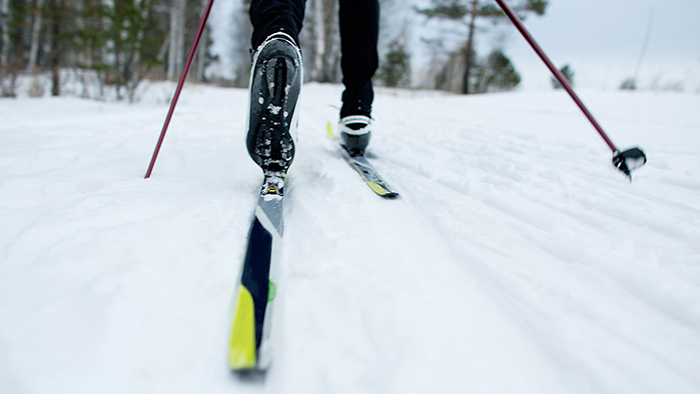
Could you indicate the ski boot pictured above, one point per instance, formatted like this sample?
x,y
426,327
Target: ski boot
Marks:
x,y
355,132
276,79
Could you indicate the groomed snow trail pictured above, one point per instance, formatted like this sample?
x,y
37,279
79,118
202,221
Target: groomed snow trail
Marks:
x,y
515,260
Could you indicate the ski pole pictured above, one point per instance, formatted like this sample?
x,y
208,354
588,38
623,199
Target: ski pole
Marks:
x,y
625,161
183,76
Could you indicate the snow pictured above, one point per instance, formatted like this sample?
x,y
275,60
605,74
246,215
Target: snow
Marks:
x,y
517,259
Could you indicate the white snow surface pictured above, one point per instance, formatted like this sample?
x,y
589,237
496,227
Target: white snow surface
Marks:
x,y
516,260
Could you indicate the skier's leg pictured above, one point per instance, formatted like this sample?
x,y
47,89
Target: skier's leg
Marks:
x,y
359,32
271,16
276,79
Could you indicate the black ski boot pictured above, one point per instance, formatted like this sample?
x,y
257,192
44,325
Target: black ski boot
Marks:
x,y
355,132
276,79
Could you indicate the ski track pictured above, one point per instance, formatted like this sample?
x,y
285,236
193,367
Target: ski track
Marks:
x,y
515,260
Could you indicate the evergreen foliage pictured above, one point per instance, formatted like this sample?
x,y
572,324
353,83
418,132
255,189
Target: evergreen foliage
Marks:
x,y
497,74
629,84
395,71
568,74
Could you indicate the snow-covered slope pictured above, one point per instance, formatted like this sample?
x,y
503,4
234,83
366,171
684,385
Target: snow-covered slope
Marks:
x,y
516,259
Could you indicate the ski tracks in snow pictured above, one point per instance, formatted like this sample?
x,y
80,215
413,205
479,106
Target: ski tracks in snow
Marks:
x,y
515,260
568,249
511,232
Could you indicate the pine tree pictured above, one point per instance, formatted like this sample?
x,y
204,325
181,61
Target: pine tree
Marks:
x,y
629,84
568,74
395,71
497,74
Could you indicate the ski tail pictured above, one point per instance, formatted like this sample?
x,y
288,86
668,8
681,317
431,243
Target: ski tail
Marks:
x,y
249,346
242,347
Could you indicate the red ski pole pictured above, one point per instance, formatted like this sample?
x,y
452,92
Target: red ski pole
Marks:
x,y
624,161
183,77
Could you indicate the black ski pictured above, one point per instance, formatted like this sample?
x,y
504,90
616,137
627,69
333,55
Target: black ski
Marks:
x,y
276,79
249,347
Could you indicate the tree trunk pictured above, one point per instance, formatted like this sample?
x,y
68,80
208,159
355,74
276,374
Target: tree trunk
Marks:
x,y
177,39
5,27
36,29
134,77
6,80
202,50
331,60
319,38
470,48
56,9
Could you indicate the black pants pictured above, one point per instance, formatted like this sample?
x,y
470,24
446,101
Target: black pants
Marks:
x,y
359,30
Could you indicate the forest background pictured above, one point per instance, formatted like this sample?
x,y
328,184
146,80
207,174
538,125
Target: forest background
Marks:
x,y
463,46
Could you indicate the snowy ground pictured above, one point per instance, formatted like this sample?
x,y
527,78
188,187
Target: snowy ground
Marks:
x,y
516,260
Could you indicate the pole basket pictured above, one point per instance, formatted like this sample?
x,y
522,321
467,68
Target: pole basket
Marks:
x,y
629,160
625,161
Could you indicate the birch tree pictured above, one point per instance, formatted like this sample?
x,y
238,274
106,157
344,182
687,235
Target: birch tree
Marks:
x,y
243,30
202,53
36,29
321,41
176,51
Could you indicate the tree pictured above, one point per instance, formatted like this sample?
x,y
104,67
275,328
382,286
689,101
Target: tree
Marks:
x,y
56,11
115,40
176,50
466,13
243,30
36,89
15,20
396,69
568,74
204,57
629,84
321,41
6,87
5,30
497,74
132,48
35,38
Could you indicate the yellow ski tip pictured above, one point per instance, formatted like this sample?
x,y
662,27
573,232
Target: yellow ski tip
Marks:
x,y
329,132
241,354
377,188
